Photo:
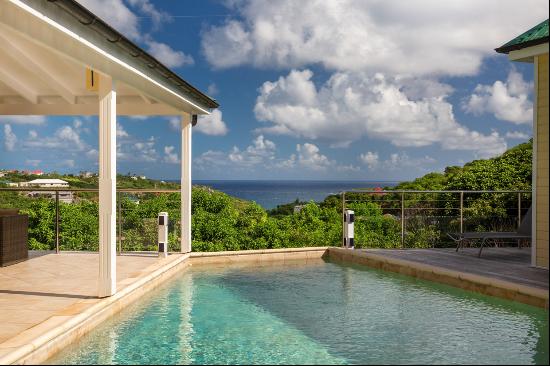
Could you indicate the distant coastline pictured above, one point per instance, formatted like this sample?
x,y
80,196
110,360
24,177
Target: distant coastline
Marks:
x,y
270,193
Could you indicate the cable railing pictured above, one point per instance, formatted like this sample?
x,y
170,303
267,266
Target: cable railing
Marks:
x,y
422,218
67,218
136,231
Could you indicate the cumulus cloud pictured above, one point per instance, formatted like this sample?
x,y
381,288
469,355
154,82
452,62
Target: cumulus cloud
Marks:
x,y
507,101
517,135
403,160
117,14
370,159
261,157
167,55
309,157
120,131
10,139
212,124
66,138
420,37
126,21
170,156
136,150
351,105
260,152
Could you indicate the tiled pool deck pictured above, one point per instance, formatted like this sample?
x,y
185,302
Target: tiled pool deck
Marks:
x,y
50,300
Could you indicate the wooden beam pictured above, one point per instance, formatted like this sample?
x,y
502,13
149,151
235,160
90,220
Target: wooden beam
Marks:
x,y
15,83
38,65
146,99
66,109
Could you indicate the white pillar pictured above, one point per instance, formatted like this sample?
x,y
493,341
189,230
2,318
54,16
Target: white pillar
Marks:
x,y
186,183
107,187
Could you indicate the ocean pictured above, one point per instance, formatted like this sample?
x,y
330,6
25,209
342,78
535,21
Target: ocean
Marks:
x,y
270,193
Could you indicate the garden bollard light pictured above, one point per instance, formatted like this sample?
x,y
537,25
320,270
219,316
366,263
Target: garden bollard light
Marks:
x,y
163,234
349,218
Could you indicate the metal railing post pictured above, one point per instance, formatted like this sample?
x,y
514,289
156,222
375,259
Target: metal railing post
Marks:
x,y
342,218
461,212
56,222
519,210
119,219
402,220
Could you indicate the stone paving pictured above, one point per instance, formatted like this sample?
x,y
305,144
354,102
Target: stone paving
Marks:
x,y
56,285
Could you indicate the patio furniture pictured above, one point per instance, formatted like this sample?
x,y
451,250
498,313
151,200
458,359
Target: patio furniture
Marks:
x,y
13,237
523,233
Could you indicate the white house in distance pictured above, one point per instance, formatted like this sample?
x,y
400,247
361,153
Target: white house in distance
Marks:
x,y
46,183
58,58
64,196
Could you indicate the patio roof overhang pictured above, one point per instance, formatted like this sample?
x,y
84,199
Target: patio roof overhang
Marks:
x,y
47,47
49,50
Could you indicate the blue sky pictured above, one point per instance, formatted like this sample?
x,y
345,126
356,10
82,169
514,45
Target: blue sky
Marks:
x,y
350,89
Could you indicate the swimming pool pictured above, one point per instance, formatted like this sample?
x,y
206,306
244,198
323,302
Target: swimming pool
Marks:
x,y
316,313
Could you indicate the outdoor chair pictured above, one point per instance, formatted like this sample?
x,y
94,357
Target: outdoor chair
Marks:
x,y
13,237
523,233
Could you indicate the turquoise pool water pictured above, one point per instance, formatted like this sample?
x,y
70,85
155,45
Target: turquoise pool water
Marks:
x,y
314,313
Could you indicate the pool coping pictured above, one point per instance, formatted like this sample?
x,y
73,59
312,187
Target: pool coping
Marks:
x,y
467,281
70,328
46,339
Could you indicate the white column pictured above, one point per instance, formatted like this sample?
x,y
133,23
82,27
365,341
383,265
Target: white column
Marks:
x,y
186,183
107,187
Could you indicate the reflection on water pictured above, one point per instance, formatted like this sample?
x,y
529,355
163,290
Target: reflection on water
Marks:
x,y
314,313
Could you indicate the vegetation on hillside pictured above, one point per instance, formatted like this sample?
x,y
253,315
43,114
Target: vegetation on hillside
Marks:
x,y
221,222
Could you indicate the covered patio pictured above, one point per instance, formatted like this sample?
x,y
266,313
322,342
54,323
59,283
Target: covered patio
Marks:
x,y
57,58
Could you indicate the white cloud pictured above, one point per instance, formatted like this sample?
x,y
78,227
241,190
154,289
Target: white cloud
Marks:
x,y
508,101
175,123
145,7
23,120
517,135
167,55
116,14
10,139
213,89
92,154
351,105
65,138
402,160
260,152
370,159
420,37
121,17
120,131
309,157
211,158
212,124
135,150
261,156
170,156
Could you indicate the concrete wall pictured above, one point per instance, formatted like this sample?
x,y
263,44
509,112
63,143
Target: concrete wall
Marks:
x,y
542,162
